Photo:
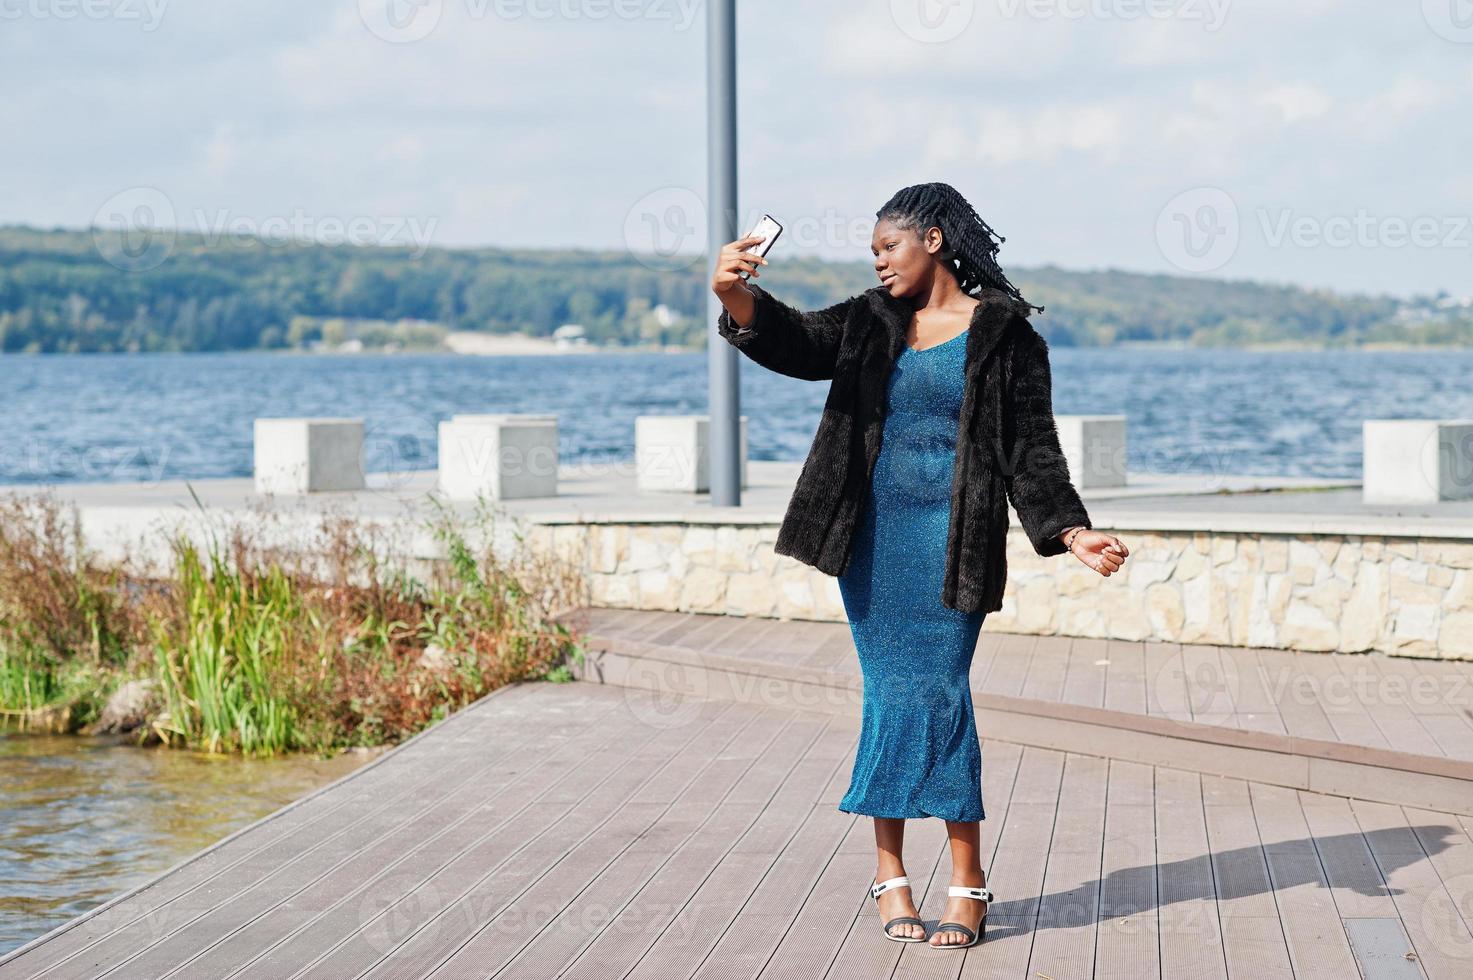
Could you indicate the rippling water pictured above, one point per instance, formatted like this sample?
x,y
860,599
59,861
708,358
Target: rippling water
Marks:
x,y
66,418
84,819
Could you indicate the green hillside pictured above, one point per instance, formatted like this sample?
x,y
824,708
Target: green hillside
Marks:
x,y
59,294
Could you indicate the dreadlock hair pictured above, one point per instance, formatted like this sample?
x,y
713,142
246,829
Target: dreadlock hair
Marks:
x,y
967,244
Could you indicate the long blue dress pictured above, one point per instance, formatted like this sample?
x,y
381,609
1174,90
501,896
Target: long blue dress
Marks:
x,y
918,751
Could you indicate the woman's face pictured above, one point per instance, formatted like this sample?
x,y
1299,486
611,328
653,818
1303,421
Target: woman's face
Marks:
x,y
904,259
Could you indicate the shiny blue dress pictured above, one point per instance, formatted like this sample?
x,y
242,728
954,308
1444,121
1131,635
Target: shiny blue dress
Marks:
x,y
918,750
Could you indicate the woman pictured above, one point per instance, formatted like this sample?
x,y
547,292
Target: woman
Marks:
x,y
939,412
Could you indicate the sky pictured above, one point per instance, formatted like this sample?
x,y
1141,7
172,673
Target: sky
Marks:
x,y
1322,143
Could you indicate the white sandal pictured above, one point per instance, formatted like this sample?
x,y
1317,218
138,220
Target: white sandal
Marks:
x,y
876,889
966,891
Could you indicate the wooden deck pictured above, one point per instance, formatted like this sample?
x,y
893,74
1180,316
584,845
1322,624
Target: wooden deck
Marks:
x,y
1392,729
589,831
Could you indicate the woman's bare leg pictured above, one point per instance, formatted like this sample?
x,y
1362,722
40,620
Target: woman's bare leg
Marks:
x,y
889,842
966,869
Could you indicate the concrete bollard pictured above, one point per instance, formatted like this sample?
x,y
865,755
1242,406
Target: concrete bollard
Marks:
x,y
1094,447
1416,461
672,453
308,455
503,456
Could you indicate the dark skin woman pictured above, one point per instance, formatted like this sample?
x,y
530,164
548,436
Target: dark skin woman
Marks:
x,y
915,262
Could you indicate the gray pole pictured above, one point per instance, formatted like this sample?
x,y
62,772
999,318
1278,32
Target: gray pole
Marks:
x,y
721,209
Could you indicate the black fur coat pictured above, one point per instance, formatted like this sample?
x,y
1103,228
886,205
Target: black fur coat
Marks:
x,y
1007,441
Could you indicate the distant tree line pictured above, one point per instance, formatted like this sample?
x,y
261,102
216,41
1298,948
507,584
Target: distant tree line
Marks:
x,y
58,293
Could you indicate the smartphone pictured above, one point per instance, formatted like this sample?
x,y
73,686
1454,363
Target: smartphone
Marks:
x,y
769,229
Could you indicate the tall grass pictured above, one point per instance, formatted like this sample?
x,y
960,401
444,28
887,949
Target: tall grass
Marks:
x,y
262,647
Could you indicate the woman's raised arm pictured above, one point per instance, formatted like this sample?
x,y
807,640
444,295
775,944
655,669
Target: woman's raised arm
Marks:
x,y
769,331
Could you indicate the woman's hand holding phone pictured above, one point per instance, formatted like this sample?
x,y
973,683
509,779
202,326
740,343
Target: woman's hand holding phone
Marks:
x,y
728,282
734,260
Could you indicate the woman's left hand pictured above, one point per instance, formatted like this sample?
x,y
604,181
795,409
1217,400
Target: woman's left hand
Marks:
x,y
1103,552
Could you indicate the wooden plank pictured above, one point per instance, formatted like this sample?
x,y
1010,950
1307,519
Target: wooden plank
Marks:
x,y
1350,719
1354,881
1368,686
681,947
1069,908
1128,942
655,909
381,922
1442,940
1125,678
1085,681
1296,695
1252,934
830,909
1253,702
1166,682
576,897
482,884
1450,849
759,926
1317,943
1188,920
1009,664
1211,687
1045,680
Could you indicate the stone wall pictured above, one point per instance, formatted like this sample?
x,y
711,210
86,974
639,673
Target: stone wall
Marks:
x,y
1321,592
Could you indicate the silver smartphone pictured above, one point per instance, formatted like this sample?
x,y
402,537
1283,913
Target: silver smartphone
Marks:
x,y
769,229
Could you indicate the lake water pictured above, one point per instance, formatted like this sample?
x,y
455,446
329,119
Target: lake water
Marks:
x,y
69,418
83,819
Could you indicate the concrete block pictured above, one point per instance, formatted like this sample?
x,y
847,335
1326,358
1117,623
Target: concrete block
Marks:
x,y
308,455
1416,461
1094,446
503,456
673,453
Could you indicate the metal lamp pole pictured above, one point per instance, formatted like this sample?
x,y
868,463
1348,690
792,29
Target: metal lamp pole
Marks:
x,y
721,186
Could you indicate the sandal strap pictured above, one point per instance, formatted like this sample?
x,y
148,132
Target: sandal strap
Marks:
x,y
876,889
958,927
903,918
965,891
